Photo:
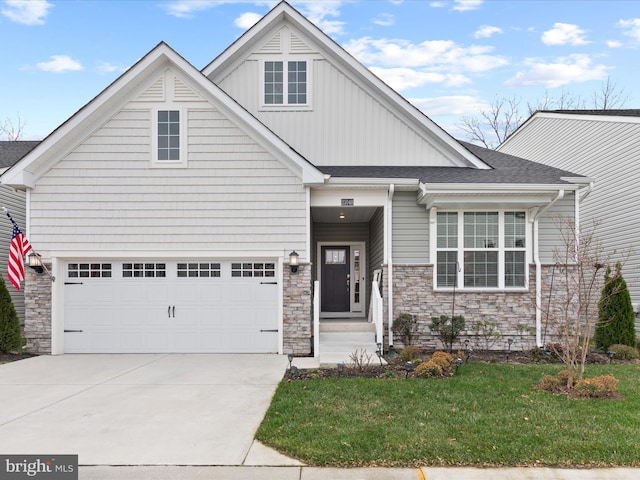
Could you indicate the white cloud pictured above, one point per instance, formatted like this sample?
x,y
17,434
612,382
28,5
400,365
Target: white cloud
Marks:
x,y
563,34
614,44
247,20
187,8
106,67
437,55
27,12
466,5
384,20
457,105
572,69
60,64
487,31
404,78
318,11
631,27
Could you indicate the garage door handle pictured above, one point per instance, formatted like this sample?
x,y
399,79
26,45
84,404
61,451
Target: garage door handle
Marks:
x,y
275,330
173,311
73,283
73,331
268,283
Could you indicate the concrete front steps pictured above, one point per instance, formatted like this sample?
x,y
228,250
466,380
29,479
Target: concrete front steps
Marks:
x,y
340,339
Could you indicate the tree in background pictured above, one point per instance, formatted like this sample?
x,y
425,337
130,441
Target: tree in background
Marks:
x,y
615,312
492,127
11,130
10,336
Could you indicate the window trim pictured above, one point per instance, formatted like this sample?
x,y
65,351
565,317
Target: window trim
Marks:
x,y
285,94
501,249
183,138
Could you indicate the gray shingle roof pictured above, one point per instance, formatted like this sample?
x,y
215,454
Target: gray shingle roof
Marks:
x,y
504,169
629,112
12,151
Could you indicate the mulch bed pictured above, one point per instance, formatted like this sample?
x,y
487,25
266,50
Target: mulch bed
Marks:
x,y
14,357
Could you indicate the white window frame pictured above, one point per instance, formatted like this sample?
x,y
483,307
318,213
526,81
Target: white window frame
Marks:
x,y
501,249
155,162
285,105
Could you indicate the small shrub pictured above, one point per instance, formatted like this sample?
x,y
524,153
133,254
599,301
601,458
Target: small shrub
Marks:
x,y
563,375
444,359
551,384
360,359
487,333
405,326
410,353
597,386
624,352
428,369
447,328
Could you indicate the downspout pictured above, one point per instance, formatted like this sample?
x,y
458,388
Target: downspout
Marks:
x,y
536,259
389,258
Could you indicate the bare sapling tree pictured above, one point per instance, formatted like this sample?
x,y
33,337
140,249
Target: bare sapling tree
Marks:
x,y
11,129
572,319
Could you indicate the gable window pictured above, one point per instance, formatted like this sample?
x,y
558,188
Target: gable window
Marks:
x,y
285,83
481,250
169,135
168,138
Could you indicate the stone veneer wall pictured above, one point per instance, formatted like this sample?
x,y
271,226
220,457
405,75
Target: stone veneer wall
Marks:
x,y
37,303
296,312
514,312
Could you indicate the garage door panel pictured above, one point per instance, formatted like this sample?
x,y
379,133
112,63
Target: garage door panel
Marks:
x,y
177,311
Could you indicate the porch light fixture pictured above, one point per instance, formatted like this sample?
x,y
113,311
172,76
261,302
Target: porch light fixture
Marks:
x,y
293,261
341,216
34,260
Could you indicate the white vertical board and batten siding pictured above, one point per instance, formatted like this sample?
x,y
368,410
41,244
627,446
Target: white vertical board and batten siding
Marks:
x,y
233,196
606,149
345,124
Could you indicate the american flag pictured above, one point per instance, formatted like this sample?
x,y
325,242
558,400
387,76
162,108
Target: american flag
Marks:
x,y
18,248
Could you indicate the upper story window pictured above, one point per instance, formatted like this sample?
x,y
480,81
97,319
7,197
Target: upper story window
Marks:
x,y
481,250
285,83
169,136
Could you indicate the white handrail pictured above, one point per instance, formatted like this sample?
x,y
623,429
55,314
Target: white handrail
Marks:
x,y
316,319
376,308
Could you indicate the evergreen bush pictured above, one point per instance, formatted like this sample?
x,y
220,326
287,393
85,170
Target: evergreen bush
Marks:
x,y
616,318
10,336
405,326
447,328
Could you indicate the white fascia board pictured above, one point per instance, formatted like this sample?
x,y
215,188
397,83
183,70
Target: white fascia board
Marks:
x,y
365,182
284,12
18,178
494,187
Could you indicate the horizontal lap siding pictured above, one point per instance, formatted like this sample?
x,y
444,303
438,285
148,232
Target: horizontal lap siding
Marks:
x,y
233,196
608,152
553,226
15,204
410,230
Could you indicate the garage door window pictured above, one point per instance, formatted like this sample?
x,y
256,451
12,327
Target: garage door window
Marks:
x,y
198,270
146,270
249,269
89,270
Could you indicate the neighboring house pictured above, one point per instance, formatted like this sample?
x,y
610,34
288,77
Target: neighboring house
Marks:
x,y
604,145
14,201
167,208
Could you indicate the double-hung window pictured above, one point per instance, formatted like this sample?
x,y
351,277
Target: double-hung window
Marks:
x,y
481,250
285,83
169,138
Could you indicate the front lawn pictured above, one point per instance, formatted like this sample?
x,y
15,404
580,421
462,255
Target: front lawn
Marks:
x,y
488,414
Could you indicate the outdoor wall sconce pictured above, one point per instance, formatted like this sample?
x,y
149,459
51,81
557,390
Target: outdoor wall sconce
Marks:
x,y
293,261
35,262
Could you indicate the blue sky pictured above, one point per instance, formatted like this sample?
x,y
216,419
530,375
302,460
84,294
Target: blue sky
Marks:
x,y
450,58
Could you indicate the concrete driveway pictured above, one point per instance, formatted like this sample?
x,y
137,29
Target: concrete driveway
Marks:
x,y
151,409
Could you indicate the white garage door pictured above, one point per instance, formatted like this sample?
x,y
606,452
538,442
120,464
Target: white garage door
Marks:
x,y
176,307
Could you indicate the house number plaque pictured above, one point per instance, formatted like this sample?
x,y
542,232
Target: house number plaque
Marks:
x,y
347,202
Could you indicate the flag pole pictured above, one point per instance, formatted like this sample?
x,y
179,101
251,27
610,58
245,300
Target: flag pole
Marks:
x,y
32,252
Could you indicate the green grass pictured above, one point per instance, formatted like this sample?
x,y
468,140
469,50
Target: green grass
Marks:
x,y
485,415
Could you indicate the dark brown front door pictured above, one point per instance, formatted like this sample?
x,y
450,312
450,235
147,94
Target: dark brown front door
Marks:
x,y
335,279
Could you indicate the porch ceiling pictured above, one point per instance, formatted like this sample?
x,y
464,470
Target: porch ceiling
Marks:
x,y
351,214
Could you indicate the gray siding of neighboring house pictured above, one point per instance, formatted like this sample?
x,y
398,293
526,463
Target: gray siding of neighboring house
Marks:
x,y
15,203
106,195
410,230
606,149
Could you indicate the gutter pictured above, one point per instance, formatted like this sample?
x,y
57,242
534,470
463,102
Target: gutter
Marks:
x,y
536,259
